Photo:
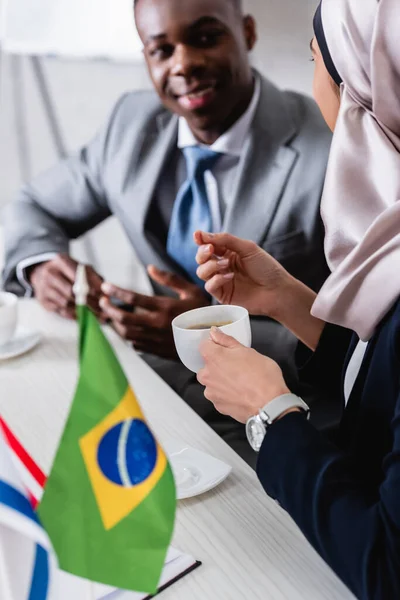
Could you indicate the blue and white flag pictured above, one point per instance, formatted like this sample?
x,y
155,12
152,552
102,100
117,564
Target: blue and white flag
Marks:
x,y
27,562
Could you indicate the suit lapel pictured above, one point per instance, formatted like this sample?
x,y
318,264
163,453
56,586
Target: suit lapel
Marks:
x,y
264,167
157,147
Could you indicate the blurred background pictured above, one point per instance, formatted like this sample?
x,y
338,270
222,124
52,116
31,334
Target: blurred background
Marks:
x,y
95,57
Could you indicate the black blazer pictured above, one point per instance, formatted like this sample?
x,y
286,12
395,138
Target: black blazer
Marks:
x,y
344,492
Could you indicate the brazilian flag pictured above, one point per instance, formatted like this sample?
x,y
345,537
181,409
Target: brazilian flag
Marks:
x,y
109,503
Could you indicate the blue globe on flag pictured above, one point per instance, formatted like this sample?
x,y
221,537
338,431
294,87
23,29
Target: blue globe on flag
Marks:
x,y
127,453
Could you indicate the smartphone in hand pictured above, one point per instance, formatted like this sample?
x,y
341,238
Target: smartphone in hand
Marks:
x,y
119,304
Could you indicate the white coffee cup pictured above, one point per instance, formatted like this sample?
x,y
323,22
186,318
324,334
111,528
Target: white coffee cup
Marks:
x,y
8,316
188,340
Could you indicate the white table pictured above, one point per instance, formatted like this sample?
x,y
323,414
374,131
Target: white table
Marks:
x,y
249,547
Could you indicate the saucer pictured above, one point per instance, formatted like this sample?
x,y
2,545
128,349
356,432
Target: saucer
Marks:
x,y
23,341
195,472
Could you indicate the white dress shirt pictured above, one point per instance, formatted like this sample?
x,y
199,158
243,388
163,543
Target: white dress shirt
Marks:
x,y
219,182
353,369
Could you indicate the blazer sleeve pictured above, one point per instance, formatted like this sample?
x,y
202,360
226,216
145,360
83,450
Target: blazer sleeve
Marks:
x,y
323,368
354,529
62,204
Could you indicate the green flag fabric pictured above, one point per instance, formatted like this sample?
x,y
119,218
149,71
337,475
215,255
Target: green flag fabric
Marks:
x,y
109,503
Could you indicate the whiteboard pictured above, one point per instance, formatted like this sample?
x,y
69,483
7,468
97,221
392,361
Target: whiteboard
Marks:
x,y
71,28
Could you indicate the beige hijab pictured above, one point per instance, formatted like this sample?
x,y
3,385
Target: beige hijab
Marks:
x,y
361,200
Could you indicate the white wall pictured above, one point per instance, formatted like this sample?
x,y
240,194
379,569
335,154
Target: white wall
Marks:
x,y
285,31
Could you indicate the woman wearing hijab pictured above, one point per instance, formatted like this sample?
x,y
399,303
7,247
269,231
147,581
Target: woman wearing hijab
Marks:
x,y
344,493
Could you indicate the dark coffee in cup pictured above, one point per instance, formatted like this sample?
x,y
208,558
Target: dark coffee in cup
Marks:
x,y
209,325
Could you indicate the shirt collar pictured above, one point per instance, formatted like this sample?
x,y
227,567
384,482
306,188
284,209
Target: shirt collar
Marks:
x,y
231,142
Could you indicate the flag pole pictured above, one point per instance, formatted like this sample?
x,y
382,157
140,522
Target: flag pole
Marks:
x,y
81,291
81,287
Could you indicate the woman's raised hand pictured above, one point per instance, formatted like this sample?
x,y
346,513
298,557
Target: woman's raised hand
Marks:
x,y
239,272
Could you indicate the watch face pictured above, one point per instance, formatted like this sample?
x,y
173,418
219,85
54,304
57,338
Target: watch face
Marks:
x,y
255,431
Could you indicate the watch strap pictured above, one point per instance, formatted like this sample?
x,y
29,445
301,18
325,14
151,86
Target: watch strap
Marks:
x,y
274,409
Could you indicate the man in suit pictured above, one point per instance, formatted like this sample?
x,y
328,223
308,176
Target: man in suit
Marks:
x,y
218,147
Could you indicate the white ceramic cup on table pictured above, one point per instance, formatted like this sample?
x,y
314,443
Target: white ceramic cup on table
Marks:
x,y
8,316
188,339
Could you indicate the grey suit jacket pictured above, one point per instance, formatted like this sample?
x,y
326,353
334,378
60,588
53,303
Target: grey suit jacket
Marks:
x,y
276,201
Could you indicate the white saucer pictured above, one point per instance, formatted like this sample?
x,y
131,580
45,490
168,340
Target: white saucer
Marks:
x,y
195,472
23,341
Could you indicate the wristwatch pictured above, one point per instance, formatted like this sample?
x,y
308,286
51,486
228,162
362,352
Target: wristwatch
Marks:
x,y
257,426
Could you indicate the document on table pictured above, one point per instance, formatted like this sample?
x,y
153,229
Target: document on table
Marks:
x,y
176,566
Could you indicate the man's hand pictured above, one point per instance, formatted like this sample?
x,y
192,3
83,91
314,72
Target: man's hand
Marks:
x,y
52,284
149,329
